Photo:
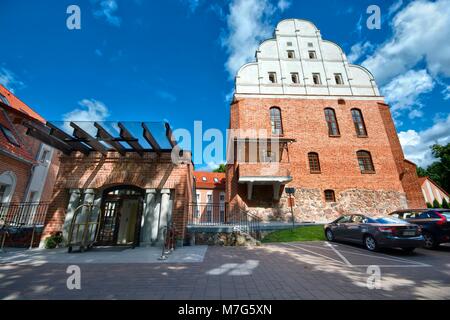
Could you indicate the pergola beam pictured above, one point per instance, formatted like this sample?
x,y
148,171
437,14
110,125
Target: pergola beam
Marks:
x,y
150,138
169,135
128,138
76,145
88,139
43,135
103,134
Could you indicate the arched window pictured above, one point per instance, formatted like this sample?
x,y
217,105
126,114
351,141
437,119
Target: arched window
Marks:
x,y
7,185
365,161
330,117
314,163
275,121
329,196
358,120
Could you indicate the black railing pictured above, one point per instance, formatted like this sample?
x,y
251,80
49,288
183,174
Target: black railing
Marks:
x,y
21,222
23,214
213,214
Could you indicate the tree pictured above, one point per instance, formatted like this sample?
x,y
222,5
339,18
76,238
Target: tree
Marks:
x,y
220,169
439,171
436,204
429,205
445,204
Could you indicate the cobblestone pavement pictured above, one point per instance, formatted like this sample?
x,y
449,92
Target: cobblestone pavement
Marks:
x,y
313,270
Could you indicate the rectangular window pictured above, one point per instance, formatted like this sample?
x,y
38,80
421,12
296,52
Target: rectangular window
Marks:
x,y
316,79
338,79
289,44
312,54
294,77
329,196
310,44
290,54
272,77
9,135
44,156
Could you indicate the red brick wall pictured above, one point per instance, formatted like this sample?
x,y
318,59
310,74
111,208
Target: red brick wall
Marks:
x,y
304,120
22,171
95,172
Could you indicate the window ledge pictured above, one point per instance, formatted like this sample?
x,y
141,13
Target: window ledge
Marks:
x,y
334,136
368,172
315,172
362,136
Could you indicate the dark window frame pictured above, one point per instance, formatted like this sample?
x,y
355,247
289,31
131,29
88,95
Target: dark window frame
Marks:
x,y
314,162
332,123
359,123
276,121
9,135
365,162
330,195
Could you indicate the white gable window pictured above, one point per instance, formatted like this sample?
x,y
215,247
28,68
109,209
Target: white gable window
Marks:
x,y
272,77
338,79
316,79
203,178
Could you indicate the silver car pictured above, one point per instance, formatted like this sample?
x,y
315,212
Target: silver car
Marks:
x,y
375,232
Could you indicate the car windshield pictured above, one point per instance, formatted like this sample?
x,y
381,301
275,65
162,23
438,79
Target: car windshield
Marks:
x,y
445,214
388,220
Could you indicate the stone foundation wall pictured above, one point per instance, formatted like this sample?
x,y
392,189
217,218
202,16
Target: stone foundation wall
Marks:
x,y
310,205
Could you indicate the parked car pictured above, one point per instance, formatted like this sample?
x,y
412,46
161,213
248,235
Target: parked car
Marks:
x,y
435,224
375,233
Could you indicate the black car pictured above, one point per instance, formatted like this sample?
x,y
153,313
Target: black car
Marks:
x,y
375,233
435,224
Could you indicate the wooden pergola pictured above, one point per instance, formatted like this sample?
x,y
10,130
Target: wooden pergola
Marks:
x,y
95,136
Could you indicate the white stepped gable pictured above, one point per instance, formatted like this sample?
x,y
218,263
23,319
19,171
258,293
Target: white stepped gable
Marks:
x,y
285,65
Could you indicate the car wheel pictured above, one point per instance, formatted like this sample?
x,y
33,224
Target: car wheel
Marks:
x,y
408,250
430,242
370,243
329,235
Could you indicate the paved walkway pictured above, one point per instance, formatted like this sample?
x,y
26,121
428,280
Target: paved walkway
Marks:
x,y
315,270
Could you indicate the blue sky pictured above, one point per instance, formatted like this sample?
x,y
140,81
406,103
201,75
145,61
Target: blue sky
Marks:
x,y
175,59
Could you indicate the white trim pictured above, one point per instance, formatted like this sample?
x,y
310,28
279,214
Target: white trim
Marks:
x,y
309,97
268,179
10,183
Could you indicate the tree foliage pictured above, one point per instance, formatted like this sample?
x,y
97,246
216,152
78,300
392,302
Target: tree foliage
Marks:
x,y
220,169
439,171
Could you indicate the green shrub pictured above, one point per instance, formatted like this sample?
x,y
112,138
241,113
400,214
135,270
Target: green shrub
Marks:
x,y
436,204
429,205
445,204
53,241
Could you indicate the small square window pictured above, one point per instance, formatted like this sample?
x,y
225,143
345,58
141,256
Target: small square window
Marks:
x,y
329,196
9,135
291,54
272,77
310,44
222,197
216,180
316,79
289,44
203,178
312,54
294,77
338,79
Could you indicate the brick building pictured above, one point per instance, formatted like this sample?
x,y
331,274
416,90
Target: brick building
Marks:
x,y
304,117
133,172
28,167
210,196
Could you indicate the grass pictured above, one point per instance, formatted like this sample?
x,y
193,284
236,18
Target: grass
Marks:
x,y
305,233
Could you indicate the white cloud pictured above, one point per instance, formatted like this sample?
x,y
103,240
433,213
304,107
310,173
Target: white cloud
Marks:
x,y
420,33
395,7
9,80
91,110
359,50
165,95
446,93
403,92
283,5
248,24
416,145
108,10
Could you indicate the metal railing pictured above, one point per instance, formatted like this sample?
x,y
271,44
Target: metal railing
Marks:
x,y
213,214
19,218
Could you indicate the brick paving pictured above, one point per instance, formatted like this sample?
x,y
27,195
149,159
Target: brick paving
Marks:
x,y
278,271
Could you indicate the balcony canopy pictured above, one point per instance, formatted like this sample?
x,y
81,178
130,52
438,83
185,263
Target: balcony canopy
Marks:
x,y
104,136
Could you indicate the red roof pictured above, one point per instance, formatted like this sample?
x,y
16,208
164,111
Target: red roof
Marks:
x,y
15,104
209,180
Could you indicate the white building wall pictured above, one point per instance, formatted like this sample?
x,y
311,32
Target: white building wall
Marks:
x,y
302,36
